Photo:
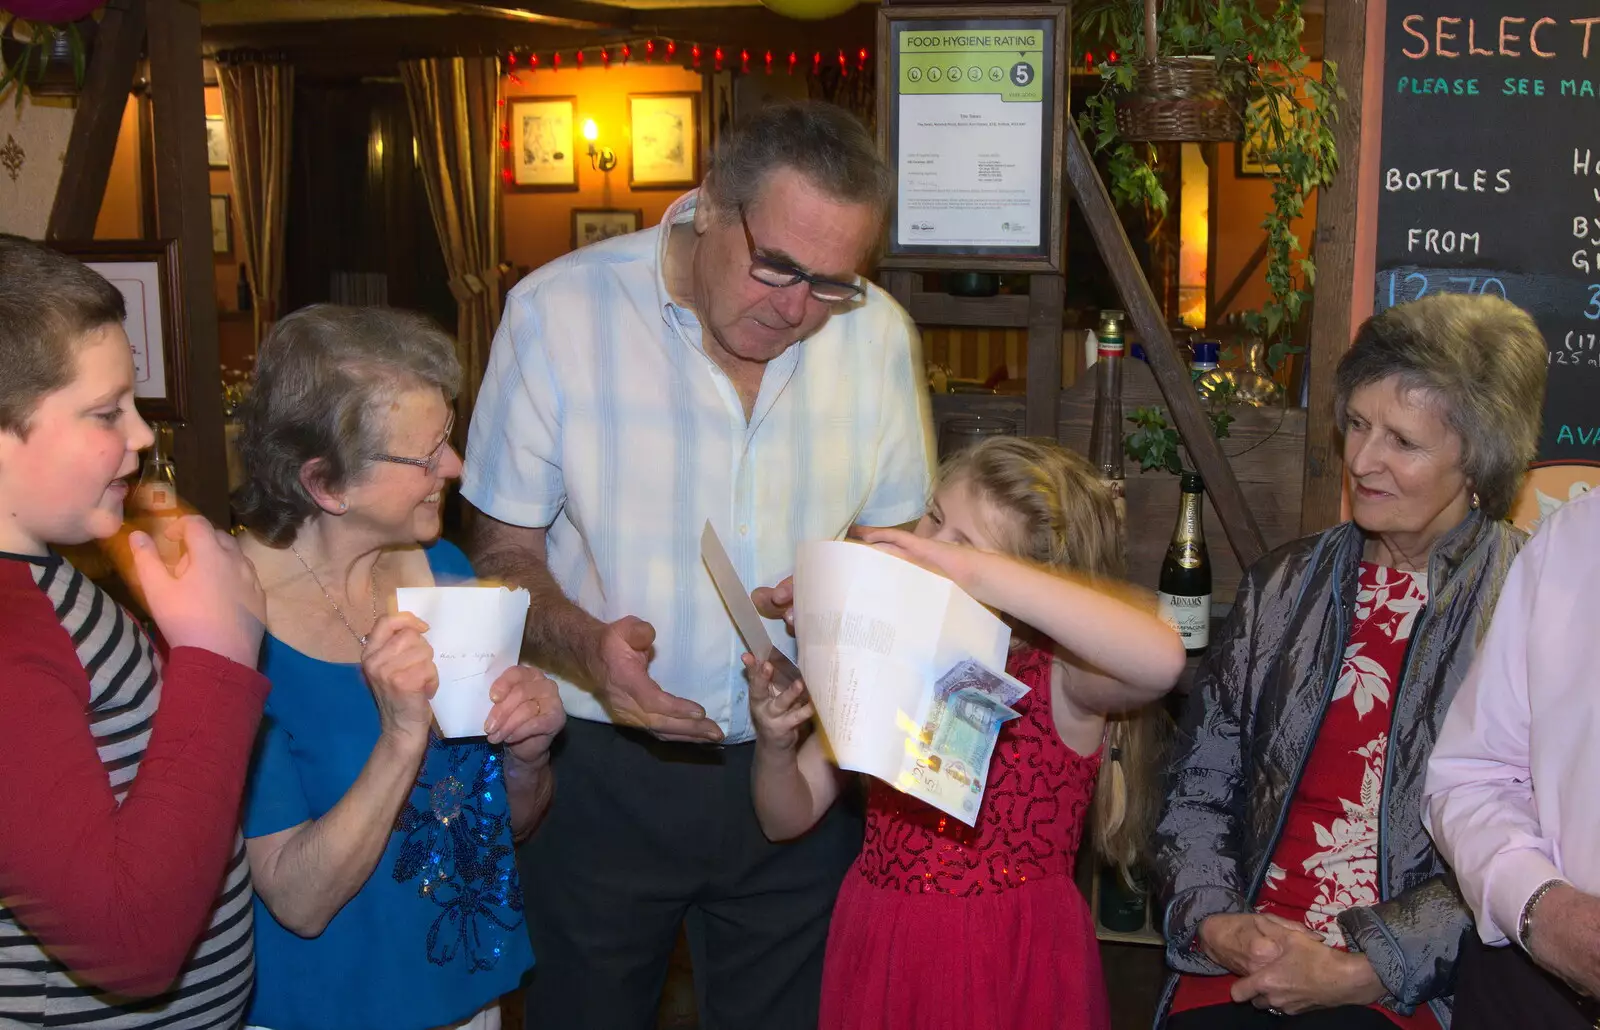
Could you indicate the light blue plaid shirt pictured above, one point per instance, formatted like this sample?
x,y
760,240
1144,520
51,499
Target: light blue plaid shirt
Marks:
x,y
602,418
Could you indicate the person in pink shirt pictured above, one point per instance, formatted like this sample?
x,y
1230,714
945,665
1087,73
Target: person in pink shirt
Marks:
x,y
1512,801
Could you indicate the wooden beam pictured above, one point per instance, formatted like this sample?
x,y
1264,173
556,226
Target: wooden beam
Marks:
x,y
570,14
183,212
1044,354
1171,373
87,165
1323,494
389,40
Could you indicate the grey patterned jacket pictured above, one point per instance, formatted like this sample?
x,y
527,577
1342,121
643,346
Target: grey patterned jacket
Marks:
x,y
1255,710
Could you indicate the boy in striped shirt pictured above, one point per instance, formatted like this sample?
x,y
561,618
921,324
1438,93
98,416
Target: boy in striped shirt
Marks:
x,y
124,893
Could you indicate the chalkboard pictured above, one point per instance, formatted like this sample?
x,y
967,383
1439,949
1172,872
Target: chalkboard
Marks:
x,y
1490,178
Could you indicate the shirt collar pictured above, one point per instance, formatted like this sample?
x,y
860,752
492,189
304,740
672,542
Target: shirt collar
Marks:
x,y
680,211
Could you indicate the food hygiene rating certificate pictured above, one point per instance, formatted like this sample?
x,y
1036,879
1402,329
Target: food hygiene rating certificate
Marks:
x,y
971,129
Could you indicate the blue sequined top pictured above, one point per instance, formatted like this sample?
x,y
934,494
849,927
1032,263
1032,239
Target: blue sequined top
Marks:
x,y
437,932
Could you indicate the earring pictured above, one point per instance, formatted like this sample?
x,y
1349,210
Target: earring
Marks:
x,y
344,506
1474,501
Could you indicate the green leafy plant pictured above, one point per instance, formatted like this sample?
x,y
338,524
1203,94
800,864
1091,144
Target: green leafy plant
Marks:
x,y
1155,444
1261,66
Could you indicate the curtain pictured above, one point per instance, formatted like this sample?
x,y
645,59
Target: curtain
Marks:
x,y
257,108
455,113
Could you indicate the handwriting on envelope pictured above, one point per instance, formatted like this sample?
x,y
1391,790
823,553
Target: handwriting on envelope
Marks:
x,y
476,634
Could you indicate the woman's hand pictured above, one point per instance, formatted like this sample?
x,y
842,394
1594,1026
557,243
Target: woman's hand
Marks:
x,y
398,664
1310,975
963,566
778,713
527,714
1244,942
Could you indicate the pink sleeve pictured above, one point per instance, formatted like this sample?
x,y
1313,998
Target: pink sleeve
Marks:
x,y
121,893
1480,807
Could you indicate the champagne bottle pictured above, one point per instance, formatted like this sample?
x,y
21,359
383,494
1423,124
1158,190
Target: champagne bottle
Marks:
x,y
1184,592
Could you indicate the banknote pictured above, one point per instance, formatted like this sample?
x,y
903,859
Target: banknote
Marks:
x,y
1004,688
951,763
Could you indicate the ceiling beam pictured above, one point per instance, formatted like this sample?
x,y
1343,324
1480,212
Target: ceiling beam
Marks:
x,y
569,14
350,48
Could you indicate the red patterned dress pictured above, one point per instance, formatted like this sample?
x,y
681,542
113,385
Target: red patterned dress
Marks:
x,y
1326,859
941,925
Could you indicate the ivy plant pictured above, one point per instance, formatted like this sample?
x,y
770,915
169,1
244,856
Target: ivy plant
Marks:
x,y
1263,69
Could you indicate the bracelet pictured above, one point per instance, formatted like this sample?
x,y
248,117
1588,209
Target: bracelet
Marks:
x,y
1525,920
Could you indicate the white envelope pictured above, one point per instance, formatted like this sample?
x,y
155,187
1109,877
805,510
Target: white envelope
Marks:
x,y
476,634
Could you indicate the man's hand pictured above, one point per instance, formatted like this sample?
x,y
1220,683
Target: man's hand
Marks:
x,y
1565,937
1307,975
776,602
619,667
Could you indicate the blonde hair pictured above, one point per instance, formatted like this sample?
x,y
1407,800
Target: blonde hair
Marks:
x,y
1060,515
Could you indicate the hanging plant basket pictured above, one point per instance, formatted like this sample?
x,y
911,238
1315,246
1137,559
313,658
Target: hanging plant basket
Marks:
x,y
1176,99
46,60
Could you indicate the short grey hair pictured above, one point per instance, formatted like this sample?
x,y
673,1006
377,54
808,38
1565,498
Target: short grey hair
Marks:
x,y
823,142
323,382
1484,361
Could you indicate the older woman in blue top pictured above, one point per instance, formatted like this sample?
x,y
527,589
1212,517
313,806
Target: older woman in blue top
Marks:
x,y
387,892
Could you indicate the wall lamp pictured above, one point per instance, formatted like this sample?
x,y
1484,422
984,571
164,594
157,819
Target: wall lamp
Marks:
x,y
600,158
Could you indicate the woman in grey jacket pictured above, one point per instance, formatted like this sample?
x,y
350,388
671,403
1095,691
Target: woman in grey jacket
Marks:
x,y
1302,889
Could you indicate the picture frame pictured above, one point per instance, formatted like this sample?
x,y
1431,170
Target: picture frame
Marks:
x,y
593,224
1247,162
217,154
1004,67
221,224
542,143
666,140
148,275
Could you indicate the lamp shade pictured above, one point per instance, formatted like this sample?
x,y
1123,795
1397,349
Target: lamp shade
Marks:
x,y
57,12
809,10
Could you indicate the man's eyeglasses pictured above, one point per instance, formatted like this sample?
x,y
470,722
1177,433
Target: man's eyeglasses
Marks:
x,y
430,464
779,274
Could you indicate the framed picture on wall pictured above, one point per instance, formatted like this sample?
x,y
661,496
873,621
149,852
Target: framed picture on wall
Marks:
x,y
146,273
221,224
1248,152
216,142
543,142
593,224
666,140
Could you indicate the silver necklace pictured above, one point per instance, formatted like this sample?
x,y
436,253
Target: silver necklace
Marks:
x,y
372,587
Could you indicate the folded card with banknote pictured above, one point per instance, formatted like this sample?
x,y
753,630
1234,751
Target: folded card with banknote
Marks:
x,y
906,672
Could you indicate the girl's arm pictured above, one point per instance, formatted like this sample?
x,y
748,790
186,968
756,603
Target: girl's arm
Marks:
x,y
791,781
1125,656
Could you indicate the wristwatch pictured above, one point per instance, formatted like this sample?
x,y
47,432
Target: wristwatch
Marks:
x,y
1525,920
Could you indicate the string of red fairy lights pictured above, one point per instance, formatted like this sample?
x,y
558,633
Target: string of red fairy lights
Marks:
x,y
693,55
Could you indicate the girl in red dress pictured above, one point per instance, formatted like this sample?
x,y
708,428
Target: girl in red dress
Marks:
x,y
941,925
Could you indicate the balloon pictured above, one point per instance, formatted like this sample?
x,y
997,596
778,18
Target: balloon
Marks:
x,y
809,10
56,12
